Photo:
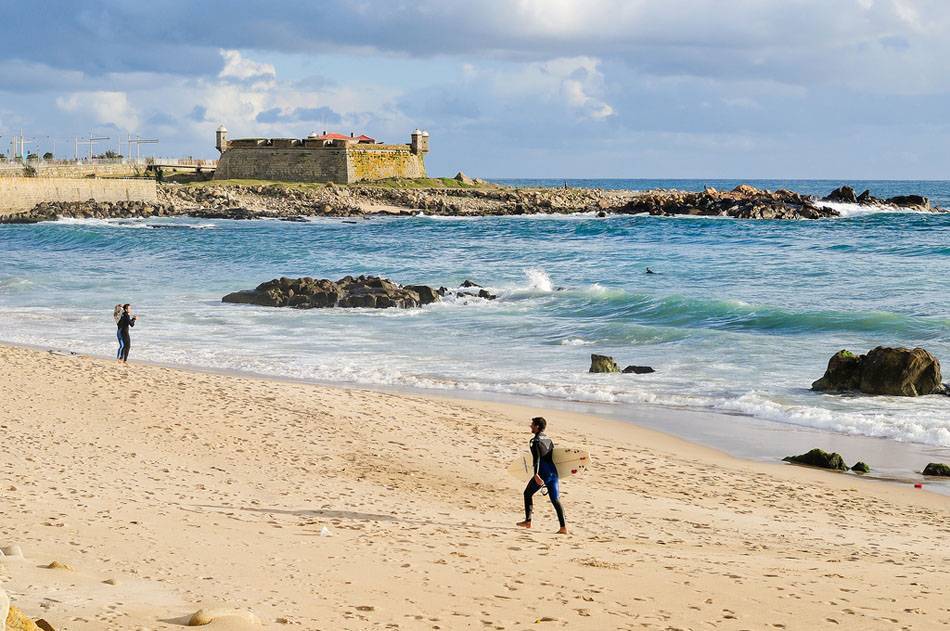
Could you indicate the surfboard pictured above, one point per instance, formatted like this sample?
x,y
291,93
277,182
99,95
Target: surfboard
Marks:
x,y
568,460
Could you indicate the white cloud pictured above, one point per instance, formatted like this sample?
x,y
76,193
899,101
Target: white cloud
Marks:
x,y
237,67
105,107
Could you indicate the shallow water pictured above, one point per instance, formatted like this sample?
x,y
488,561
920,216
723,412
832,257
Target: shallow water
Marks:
x,y
741,316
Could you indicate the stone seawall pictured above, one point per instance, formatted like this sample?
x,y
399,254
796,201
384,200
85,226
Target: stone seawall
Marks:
x,y
71,170
23,193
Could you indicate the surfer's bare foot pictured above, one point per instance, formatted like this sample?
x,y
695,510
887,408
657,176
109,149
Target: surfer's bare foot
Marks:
x,y
524,524
562,531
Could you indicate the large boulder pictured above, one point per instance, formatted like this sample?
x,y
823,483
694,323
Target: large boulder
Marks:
x,y
819,458
884,370
937,468
310,293
843,373
900,372
603,363
842,194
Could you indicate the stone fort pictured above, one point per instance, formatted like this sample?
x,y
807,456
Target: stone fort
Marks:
x,y
320,158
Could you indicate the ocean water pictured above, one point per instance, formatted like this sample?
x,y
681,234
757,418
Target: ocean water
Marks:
x,y
740,316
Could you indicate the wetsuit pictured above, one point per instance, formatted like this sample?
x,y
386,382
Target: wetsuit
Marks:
x,y
122,333
542,449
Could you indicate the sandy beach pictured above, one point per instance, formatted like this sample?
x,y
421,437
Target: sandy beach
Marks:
x,y
327,508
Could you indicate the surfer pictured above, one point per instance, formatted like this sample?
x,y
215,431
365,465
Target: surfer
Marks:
x,y
545,475
125,321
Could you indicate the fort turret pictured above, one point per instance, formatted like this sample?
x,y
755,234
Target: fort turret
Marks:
x,y
419,142
221,139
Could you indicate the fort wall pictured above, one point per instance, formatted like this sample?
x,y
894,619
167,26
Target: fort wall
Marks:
x,y
287,165
378,162
23,193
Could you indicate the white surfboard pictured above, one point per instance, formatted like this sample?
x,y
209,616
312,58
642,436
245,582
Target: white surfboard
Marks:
x,y
567,460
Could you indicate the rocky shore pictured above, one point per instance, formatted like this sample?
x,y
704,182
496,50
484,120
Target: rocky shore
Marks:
x,y
272,201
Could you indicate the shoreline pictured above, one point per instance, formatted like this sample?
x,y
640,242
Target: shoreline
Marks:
x,y
227,484
753,441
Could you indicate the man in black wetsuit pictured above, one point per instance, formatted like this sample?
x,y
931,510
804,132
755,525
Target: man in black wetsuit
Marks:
x,y
545,475
126,321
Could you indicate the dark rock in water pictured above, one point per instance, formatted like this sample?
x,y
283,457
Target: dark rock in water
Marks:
x,y
603,363
841,194
468,283
638,370
937,468
294,218
819,458
860,467
310,293
650,271
601,214
867,198
909,201
487,295
900,372
843,373
884,370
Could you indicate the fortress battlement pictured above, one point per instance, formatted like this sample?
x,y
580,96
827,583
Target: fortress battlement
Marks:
x,y
326,157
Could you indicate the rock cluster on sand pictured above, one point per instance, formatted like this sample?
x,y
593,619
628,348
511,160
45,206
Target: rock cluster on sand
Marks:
x,y
310,293
884,370
819,458
937,468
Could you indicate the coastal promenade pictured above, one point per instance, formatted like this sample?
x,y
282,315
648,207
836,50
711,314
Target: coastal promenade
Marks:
x,y
167,490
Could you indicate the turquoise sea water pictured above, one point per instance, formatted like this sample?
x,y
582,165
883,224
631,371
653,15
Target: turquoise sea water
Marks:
x,y
740,317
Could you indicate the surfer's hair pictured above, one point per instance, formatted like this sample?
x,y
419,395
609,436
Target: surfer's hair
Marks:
x,y
117,313
540,422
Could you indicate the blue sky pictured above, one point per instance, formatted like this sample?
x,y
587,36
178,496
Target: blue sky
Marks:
x,y
506,88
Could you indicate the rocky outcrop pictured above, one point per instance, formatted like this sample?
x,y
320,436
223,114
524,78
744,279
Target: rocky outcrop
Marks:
x,y
50,211
937,468
461,178
884,370
603,363
204,617
819,458
860,467
743,202
296,203
309,293
843,194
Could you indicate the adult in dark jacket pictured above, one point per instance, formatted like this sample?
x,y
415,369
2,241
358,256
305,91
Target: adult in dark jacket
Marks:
x,y
126,321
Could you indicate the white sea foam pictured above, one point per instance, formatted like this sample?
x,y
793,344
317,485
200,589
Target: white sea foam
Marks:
x,y
575,341
538,280
847,209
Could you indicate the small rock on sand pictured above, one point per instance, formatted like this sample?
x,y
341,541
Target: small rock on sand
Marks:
x,y
207,616
44,625
56,565
111,581
19,621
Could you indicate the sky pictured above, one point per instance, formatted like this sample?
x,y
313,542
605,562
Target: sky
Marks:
x,y
821,89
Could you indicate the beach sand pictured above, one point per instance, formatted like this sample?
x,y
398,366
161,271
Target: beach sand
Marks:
x,y
190,490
